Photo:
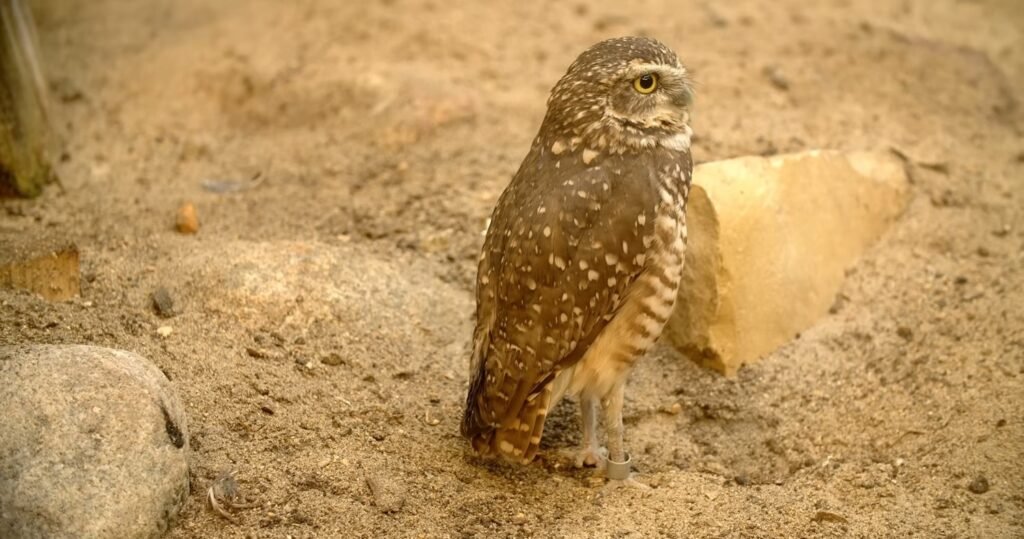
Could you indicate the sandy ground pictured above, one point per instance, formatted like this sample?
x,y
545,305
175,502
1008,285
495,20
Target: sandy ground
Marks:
x,y
324,310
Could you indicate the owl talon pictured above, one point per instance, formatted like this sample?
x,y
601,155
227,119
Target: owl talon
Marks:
x,y
629,482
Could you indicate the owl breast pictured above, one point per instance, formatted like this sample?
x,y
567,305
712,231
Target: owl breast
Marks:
x,y
648,303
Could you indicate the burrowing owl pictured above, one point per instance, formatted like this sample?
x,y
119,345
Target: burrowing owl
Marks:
x,y
584,251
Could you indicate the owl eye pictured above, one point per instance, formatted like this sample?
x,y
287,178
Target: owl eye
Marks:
x,y
646,83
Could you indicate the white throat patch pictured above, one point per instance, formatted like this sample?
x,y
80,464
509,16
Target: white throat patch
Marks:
x,y
679,142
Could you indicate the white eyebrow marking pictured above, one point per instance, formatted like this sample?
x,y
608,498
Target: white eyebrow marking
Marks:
x,y
639,68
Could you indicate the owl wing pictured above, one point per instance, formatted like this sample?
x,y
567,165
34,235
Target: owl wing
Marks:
x,y
563,246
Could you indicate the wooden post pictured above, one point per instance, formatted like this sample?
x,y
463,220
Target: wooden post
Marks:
x,y
24,125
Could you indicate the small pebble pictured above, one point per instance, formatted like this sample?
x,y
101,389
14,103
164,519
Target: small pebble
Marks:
x,y
716,18
257,353
163,303
905,333
164,331
387,495
231,186
776,77
333,359
828,516
186,220
979,485
222,186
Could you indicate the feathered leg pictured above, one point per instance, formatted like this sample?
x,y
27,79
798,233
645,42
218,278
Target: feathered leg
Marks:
x,y
589,453
618,466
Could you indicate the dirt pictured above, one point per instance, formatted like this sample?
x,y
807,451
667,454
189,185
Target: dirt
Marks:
x,y
342,159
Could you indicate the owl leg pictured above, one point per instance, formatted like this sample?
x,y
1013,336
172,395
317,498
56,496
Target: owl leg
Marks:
x,y
612,405
619,465
589,453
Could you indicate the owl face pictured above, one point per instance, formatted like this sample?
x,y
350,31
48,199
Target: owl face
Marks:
x,y
622,94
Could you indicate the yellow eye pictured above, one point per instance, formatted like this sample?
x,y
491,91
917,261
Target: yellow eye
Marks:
x,y
646,83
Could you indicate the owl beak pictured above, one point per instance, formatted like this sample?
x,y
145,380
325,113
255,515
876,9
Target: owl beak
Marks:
x,y
684,98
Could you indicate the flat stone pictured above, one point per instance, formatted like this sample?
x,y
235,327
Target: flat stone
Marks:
x,y
387,493
46,266
378,307
93,443
769,242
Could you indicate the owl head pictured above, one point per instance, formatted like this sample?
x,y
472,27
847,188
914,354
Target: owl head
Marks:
x,y
622,94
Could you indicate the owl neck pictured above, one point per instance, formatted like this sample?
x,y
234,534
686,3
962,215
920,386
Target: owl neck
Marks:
x,y
616,135
679,142
669,131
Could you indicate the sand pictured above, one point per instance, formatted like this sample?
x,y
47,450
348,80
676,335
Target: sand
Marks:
x,y
343,157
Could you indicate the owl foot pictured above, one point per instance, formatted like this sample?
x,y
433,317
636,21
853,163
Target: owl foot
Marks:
x,y
629,482
591,457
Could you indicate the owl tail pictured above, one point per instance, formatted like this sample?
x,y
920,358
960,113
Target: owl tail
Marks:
x,y
516,439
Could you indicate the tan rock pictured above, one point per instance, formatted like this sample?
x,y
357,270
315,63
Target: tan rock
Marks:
x,y
770,239
47,266
186,219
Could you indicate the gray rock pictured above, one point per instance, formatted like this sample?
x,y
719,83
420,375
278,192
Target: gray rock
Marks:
x,y
93,443
979,485
163,303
